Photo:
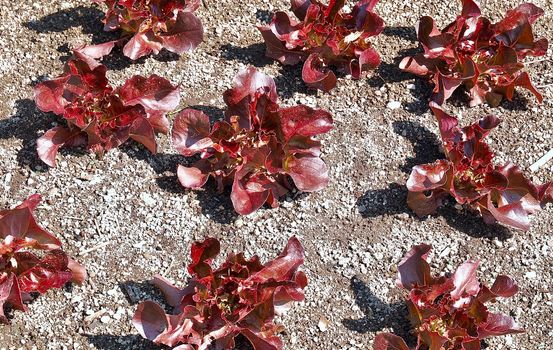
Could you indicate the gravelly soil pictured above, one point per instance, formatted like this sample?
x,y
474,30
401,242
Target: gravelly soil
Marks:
x,y
126,218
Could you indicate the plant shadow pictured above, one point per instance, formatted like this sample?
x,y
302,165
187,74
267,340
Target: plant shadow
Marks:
x,y
136,342
252,55
426,145
393,200
216,206
289,81
118,61
214,113
389,73
137,292
124,342
89,19
378,314
405,32
389,201
24,125
263,16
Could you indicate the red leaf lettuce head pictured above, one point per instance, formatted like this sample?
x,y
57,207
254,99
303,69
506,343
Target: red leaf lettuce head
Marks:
x,y
449,312
152,25
240,297
325,37
98,115
257,149
499,192
486,58
31,259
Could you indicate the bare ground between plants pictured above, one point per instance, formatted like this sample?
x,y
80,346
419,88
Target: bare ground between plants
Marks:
x,y
126,218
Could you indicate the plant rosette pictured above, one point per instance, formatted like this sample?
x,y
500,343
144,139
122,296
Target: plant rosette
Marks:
x,y
260,149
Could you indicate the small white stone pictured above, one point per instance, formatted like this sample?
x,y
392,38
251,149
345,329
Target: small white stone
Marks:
x,y
147,199
531,275
105,319
323,324
393,105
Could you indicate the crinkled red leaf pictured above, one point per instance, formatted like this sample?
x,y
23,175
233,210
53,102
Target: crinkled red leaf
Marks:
x,y
150,320
260,342
304,121
308,173
191,132
316,75
142,132
285,265
49,95
184,35
10,294
202,254
247,196
503,287
247,83
498,324
413,270
49,143
142,44
465,281
429,176
191,177
388,341
153,93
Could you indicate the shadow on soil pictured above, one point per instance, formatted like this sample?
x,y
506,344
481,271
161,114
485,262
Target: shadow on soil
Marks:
x,y
124,342
405,32
289,80
89,19
426,144
393,200
25,125
136,342
378,314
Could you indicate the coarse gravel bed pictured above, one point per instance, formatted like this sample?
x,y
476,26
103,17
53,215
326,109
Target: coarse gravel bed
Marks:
x,y
126,218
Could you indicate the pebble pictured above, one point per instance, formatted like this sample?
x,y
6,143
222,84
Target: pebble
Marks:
x,y
393,105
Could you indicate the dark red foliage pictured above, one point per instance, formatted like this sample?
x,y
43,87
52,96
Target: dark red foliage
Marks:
x,y
499,192
151,25
257,148
98,115
325,37
240,297
449,312
486,58
22,271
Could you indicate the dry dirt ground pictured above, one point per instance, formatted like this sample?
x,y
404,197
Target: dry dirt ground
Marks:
x,y
126,218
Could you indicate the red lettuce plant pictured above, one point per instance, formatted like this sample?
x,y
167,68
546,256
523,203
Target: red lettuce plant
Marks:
x,y
258,148
22,271
151,25
486,58
240,297
325,37
449,312
499,192
98,115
